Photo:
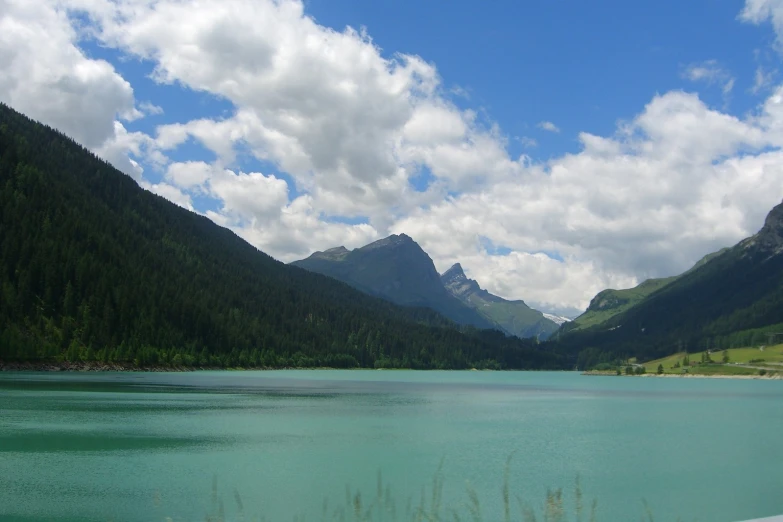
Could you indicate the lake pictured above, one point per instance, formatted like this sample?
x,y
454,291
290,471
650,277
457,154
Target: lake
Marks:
x,y
286,445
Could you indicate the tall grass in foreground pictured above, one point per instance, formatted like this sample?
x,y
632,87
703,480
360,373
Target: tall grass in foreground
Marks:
x,y
429,507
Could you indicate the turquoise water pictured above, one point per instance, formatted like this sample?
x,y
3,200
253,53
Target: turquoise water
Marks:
x,y
146,446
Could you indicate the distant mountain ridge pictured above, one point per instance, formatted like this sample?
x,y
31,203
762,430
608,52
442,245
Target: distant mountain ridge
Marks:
x,y
398,269
395,268
515,317
608,303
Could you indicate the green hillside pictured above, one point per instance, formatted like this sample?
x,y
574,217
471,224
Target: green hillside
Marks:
x,y
93,268
515,317
746,360
609,303
731,299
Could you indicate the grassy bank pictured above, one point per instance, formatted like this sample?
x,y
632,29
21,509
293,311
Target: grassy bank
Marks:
x,y
764,360
748,362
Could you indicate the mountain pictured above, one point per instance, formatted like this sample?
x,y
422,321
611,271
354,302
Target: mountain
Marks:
x,y
94,268
731,298
514,317
395,268
608,303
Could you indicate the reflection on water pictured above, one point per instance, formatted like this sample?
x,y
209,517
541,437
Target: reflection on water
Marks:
x,y
142,446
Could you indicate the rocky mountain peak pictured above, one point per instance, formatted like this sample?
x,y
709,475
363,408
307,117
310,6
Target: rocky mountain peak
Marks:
x,y
453,274
770,238
333,254
771,234
394,240
457,283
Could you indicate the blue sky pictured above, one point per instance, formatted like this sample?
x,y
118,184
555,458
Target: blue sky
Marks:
x,y
582,65
553,148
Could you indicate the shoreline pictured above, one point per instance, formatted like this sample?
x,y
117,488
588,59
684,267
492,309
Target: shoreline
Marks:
x,y
29,366
65,366
777,376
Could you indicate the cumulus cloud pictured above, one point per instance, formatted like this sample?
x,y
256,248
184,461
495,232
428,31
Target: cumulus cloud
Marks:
x,y
323,105
189,174
548,126
48,77
169,192
121,147
760,11
249,197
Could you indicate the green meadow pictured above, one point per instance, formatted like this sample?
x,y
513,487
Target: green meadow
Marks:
x,y
741,361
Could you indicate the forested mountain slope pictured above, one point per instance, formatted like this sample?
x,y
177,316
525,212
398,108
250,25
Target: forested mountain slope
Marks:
x,y
733,298
608,303
92,267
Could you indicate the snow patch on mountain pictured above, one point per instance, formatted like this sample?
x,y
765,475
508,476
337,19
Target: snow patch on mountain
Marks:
x,y
559,319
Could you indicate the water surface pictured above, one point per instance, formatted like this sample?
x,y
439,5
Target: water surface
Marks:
x,y
146,446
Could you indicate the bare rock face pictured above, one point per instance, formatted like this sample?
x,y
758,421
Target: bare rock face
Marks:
x,y
769,240
456,282
770,237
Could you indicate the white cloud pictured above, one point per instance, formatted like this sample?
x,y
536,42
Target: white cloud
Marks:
x,y
299,230
711,73
122,146
189,174
46,76
760,11
150,108
249,197
548,126
171,193
762,80
528,142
